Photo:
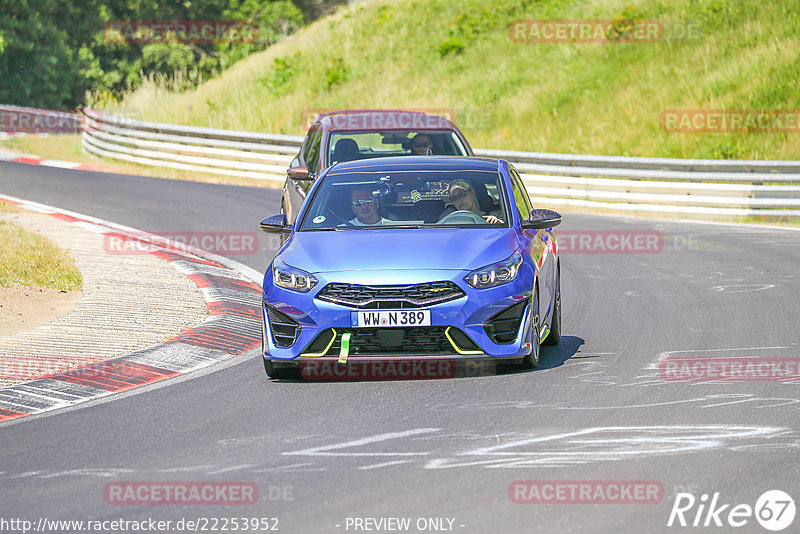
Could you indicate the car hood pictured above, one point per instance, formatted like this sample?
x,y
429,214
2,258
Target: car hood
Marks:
x,y
381,249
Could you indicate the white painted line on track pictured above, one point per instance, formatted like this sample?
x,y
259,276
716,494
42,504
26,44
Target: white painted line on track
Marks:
x,y
59,164
384,464
327,450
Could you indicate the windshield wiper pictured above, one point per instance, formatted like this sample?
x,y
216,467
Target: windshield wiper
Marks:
x,y
392,226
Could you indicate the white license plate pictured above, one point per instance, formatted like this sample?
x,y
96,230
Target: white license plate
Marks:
x,y
394,318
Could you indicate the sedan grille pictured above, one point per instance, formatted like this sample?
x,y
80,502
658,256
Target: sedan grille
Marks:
x,y
390,297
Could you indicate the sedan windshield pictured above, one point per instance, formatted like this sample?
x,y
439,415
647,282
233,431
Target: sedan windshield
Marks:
x,y
409,199
349,146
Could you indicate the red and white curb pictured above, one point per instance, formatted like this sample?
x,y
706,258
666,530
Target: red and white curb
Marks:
x,y
35,160
233,295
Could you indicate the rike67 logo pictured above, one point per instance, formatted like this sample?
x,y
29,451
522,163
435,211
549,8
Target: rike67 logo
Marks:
x,y
774,510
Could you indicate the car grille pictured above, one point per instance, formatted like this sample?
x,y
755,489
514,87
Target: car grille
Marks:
x,y
390,297
502,327
284,329
420,340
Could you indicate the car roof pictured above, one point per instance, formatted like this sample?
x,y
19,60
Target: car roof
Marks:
x,y
383,119
416,163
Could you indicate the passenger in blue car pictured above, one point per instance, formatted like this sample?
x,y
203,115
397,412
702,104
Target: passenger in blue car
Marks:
x,y
366,208
463,198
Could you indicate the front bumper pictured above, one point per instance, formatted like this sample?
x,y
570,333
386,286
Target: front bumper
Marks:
x,y
315,330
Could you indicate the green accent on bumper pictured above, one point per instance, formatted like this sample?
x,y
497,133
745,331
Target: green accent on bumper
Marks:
x,y
345,350
545,335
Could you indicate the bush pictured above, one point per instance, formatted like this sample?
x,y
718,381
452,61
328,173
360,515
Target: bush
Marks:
x,y
336,73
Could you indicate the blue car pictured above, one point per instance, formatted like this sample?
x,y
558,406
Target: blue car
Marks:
x,y
412,258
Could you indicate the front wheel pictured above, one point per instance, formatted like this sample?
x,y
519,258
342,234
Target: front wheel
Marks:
x,y
554,337
458,215
279,372
531,360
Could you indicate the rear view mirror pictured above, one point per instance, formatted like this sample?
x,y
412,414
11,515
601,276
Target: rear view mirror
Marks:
x,y
299,173
276,224
395,139
542,218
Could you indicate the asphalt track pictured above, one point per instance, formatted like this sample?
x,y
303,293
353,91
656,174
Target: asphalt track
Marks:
x,y
597,409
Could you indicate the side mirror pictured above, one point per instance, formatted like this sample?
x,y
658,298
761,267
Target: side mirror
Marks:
x,y
276,224
299,173
542,218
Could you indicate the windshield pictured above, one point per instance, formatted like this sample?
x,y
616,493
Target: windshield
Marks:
x,y
351,201
348,146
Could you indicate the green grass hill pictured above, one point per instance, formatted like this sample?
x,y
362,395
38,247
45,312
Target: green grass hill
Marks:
x,y
589,98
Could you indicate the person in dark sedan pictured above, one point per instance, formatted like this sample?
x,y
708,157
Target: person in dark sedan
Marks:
x,y
420,144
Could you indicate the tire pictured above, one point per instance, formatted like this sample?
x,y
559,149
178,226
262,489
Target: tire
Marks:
x,y
271,370
531,360
554,337
279,372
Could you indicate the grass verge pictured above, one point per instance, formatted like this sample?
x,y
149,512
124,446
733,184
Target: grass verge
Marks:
x,y
32,260
5,207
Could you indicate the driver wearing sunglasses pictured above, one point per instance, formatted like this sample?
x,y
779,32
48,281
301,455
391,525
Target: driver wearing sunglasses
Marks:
x,y
366,208
420,144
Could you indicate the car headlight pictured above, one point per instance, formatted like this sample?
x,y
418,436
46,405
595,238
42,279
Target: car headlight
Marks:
x,y
496,274
292,277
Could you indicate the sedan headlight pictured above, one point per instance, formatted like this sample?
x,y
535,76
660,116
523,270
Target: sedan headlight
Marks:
x,y
496,274
292,277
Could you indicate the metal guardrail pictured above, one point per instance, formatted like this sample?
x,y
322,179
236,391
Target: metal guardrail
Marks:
x,y
207,150
19,121
648,185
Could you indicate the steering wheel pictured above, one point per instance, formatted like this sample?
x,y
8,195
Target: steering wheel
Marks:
x,y
459,214
340,219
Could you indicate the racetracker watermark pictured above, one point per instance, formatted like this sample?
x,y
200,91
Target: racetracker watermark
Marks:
x,y
586,492
235,243
586,31
181,493
396,370
27,368
610,241
39,121
730,121
31,368
407,118
729,369
180,31
122,117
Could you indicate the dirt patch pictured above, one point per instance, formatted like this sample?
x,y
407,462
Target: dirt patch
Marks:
x,y
23,308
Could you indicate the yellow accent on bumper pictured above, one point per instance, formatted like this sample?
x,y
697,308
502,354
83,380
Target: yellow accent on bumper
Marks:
x,y
456,347
324,351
